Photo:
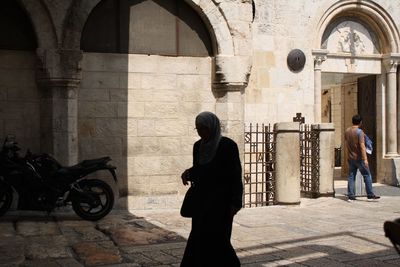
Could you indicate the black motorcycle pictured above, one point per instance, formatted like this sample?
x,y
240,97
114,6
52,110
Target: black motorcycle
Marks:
x,y
43,184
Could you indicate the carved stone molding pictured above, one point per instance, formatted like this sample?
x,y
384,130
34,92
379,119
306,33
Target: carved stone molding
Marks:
x,y
320,55
231,73
391,62
58,67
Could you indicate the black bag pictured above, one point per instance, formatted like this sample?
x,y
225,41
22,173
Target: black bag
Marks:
x,y
188,204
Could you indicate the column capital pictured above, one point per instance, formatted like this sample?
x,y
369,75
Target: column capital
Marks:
x,y
58,82
59,65
231,72
391,61
320,55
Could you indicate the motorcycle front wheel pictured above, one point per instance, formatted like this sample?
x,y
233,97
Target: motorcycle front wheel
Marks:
x,y
95,201
6,197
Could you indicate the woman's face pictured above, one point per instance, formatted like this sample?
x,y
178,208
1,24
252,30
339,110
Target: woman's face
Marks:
x,y
203,131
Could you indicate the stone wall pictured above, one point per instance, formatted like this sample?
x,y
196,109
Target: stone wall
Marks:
x,y
19,99
140,110
276,94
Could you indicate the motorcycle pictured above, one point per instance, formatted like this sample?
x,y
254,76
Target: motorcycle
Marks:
x,y
43,184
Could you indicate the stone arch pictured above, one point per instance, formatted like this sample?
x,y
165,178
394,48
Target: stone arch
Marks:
x,y
77,16
370,13
382,63
231,71
210,13
42,23
217,26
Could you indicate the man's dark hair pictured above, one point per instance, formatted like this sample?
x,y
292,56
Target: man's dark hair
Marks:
x,y
356,119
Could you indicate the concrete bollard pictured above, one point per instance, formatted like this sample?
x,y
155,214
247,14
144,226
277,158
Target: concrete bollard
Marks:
x,y
287,164
326,157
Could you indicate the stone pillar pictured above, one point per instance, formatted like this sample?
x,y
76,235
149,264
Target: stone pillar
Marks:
x,y
229,82
319,57
326,157
58,77
59,120
287,166
230,110
391,107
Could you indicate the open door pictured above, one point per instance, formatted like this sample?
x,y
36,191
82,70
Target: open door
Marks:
x,y
366,102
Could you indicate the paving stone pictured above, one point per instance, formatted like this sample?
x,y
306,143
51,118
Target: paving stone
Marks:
x,y
11,250
371,263
153,247
97,253
75,234
123,265
7,229
139,258
161,257
32,228
325,262
68,262
42,247
132,235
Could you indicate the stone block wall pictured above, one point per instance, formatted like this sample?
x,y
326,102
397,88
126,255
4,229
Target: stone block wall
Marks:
x,y
140,110
19,99
276,94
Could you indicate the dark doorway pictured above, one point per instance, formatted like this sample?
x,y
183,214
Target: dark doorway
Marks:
x,y
366,104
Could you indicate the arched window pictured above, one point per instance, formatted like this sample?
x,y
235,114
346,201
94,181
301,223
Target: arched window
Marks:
x,y
146,27
16,31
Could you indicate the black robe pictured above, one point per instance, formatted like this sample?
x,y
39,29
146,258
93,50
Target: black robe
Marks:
x,y
218,188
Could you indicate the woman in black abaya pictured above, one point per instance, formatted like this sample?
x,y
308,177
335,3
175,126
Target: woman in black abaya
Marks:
x,y
216,174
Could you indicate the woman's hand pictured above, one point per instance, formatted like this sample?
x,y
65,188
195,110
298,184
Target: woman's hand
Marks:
x,y
185,177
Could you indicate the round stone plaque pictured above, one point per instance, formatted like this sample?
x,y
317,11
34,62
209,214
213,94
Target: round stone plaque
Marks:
x,y
296,60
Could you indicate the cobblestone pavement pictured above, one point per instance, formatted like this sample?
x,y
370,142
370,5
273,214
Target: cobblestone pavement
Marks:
x,y
319,232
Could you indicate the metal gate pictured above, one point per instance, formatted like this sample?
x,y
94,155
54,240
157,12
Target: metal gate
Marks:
x,y
309,161
259,165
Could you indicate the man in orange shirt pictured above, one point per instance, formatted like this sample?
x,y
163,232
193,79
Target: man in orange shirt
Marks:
x,y
357,158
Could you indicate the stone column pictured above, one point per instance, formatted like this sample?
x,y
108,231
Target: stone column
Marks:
x,y
59,120
287,166
230,110
58,77
319,58
229,83
391,107
326,157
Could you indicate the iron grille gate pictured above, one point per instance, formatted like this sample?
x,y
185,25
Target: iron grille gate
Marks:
x,y
259,165
309,161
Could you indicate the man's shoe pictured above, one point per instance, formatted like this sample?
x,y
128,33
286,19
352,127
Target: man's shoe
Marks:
x,y
351,199
373,197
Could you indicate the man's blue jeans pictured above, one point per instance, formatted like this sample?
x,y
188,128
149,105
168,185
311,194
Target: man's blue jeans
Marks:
x,y
355,165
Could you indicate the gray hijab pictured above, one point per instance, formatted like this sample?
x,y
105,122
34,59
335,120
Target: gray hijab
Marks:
x,y
207,150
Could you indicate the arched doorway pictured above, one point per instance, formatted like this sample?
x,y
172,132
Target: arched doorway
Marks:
x,y
355,72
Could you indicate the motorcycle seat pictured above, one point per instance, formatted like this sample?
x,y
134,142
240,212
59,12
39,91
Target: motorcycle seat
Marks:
x,y
88,162
78,168
71,170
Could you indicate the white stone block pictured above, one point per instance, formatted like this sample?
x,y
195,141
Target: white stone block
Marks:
x,y
169,127
161,110
155,81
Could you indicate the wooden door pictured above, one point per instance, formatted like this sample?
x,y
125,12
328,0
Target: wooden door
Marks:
x,y
366,103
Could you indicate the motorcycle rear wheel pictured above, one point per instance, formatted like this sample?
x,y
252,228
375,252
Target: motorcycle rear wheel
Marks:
x,y
104,196
6,197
